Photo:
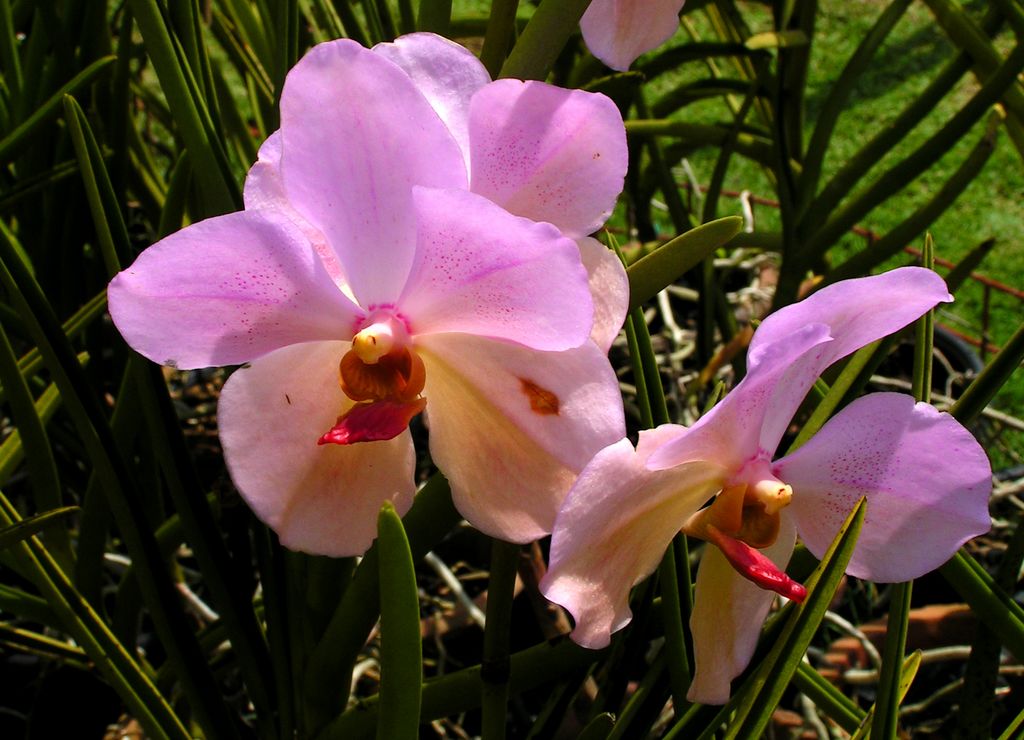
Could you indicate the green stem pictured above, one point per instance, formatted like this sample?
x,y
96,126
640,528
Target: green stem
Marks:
x,y
500,31
494,668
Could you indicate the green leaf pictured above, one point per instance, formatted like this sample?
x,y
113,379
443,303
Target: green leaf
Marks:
x,y
893,242
906,677
220,191
598,728
27,527
995,375
1000,613
110,227
893,683
81,621
985,58
756,148
543,39
328,673
435,16
10,144
41,464
401,656
839,94
761,692
921,159
776,40
653,273
494,670
459,692
90,420
968,264
827,698
501,25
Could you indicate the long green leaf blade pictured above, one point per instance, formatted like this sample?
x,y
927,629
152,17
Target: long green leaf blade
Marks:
x,y
401,660
663,266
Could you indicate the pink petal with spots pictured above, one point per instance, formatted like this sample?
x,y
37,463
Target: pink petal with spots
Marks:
x,y
547,153
728,612
618,31
926,479
512,427
319,499
264,190
227,290
609,287
613,530
480,270
357,135
446,73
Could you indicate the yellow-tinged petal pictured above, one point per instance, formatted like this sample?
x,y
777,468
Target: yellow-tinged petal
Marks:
x,y
319,499
728,612
612,531
511,427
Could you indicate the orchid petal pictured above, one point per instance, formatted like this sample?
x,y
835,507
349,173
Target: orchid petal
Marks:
x,y
730,433
618,31
728,611
790,350
319,499
857,313
227,290
446,73
483,271
609,287
547,153
264,190
926,478
511,427
612,531
349,160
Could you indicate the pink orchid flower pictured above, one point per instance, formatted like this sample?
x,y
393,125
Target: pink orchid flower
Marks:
x,y
618,31
414,238
926,480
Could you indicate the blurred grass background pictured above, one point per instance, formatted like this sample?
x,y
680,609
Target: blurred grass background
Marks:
x,y
991,207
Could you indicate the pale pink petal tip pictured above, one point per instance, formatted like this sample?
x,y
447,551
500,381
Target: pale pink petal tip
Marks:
x,y
548,154
618,31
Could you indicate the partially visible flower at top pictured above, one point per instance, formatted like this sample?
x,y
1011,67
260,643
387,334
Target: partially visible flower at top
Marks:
x,y
618,31
414,237
926,480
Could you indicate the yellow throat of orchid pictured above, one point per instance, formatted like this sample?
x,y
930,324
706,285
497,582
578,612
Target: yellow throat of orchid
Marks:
x,y
384,376
745,518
